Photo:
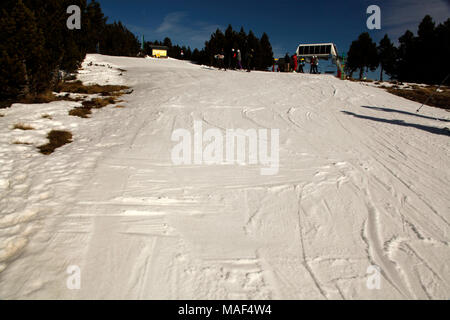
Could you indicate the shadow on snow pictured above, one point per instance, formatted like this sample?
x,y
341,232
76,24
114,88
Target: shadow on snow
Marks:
x,y
405,112
434,130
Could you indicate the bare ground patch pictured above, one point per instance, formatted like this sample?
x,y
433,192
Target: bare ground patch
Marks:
x,y
111,93
81,112
57,139
21,126
79,87
86,109
45,97
439,99
22,143
69,87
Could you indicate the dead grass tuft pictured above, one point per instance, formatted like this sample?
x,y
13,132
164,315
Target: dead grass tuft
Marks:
x,y
86,109
70,87
21,126
79,87
22,143
57,138
46,116
45,97
81,112
120,107
98,103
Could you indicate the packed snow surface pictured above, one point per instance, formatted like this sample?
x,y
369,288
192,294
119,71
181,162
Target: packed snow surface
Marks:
x,y
363,186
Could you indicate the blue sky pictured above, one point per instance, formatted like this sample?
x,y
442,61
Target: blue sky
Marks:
x,y
287,22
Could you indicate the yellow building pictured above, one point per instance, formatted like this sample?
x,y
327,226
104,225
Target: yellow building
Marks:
x,y
159,51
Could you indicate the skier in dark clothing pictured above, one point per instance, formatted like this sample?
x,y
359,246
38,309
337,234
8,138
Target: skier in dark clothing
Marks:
x,y
311,61
232,60
221,60
301,65
250,56
287,63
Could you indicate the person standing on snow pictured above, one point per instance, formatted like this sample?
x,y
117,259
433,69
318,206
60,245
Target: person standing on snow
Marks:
x,y
287,63
312,62
316,65
221,60
239,59
301,65
232,60
295,59
250,60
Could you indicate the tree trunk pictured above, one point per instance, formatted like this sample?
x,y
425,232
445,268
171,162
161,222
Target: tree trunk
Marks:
x,y
381,74
361,71
26,87
55,78
55,74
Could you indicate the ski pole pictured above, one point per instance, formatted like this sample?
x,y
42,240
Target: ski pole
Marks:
x,y
431,95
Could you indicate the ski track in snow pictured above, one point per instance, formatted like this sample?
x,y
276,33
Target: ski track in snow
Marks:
x,y
354,189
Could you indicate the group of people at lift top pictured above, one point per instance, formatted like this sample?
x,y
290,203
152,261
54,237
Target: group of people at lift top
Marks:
x,y
234,60
297,64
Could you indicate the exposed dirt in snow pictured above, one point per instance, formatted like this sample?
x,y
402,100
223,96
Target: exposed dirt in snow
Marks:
x,y
363,181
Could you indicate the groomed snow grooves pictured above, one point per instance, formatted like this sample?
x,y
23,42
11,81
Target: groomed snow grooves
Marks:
x,y
363,180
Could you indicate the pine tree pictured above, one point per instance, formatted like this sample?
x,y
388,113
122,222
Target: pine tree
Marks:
x,y
212,47
229,38
266,52
188,54
426,43
362,55
117,40
407,56
387,55
442,53
65,48
253,44
21,44
167,42
95,25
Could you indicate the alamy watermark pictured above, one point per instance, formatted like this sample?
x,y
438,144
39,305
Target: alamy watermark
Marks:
x,y
374,20
237,146
74,21
374,278
73,281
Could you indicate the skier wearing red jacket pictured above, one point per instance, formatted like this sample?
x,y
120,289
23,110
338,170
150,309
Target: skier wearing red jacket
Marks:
x,y
295,59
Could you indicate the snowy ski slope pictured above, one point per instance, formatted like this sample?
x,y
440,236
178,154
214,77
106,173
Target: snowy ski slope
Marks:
x,y
363,180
